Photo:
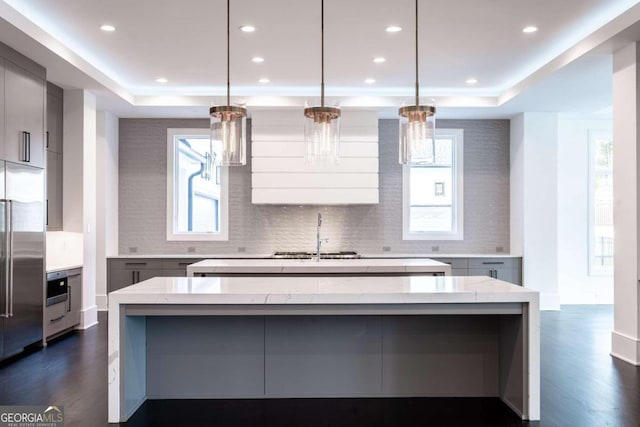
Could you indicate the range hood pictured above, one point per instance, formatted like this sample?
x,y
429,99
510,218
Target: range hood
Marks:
x,y
280,175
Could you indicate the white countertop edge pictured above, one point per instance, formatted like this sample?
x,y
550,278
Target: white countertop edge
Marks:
x,y
313,291
54,268
269,255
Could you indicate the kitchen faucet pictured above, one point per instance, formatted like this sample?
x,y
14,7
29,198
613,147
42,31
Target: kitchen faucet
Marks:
x,y
318,239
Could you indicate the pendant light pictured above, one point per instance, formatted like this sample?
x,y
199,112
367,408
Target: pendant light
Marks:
x,y
417,126
322,124
228,124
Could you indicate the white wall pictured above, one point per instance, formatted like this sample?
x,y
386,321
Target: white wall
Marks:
x,y
79,195
107,200
625,338
575,284
534,162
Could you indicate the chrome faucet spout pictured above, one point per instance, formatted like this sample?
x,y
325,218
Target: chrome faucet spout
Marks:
x,y
318,239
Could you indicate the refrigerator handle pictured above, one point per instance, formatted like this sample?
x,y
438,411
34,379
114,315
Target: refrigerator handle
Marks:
x,y
5,279
10,257
24,146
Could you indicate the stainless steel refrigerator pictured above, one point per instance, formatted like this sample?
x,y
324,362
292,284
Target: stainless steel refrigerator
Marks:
x,y
22,236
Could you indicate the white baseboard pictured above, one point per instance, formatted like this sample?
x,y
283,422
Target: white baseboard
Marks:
x,y
102,301
550,302
625,348
88,317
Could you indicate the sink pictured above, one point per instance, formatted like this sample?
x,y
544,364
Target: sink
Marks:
x,y
309,255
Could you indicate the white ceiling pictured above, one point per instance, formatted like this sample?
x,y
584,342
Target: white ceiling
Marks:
x,y
185,42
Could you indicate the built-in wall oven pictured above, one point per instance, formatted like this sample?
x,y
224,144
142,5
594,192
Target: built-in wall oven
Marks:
x,y
57,287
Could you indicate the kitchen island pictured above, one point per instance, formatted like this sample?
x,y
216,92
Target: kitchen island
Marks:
x,y
358,266
291,337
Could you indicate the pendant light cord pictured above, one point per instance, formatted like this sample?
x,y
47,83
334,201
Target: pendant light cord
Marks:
x,y
417,85
228,56
322,53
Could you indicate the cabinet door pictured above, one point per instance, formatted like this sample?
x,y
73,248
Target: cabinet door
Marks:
x,y
148,274
55,318
74,300
53,139
119,279
24,116
506,274
54,191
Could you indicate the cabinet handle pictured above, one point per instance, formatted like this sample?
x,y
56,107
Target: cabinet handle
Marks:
x,y
47,139
133,277
185,263
28,146
138,274
493,263
23,157
47,220
135,263
56,319
68,297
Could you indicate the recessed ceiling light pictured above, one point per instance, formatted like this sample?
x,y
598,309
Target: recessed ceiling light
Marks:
x,y
161,80
369,81
471,81
264,80
257,59
248,28
108,28
379,60
393,29
530,29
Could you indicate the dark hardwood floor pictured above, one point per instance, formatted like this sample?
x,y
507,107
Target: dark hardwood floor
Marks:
x,y
581,385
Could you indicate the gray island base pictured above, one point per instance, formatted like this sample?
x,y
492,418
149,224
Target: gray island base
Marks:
x,y
299,337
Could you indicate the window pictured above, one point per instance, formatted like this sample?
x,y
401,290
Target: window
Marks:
x,y
196,187
600,203
433,194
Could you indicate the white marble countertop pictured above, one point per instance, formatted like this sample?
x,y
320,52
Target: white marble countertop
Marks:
x,y
242,255
55,267
322,290
351,266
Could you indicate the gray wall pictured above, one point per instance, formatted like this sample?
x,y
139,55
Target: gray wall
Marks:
x,y
264,229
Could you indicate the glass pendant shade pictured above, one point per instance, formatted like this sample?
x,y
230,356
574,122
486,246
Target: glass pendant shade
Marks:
x,y
322,135
228,124
417,132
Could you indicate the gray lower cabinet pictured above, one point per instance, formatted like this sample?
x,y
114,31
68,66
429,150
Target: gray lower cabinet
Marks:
x,y
65,315
125,272
508,269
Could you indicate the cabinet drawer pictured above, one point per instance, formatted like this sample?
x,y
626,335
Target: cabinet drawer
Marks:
x,y
178,263
136,263
55,318
455,263
493,262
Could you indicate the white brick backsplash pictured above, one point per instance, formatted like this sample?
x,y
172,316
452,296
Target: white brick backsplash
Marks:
x,y
266,228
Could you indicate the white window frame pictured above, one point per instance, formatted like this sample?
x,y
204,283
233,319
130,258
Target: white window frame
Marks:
x,y
594,270
223,234
458,210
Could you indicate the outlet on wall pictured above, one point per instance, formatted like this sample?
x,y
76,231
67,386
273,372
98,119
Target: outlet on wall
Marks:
x,y
191,249
435,248
386,249
242,249
133,249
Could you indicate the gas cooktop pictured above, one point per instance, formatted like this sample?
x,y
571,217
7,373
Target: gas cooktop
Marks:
x,y
309,255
